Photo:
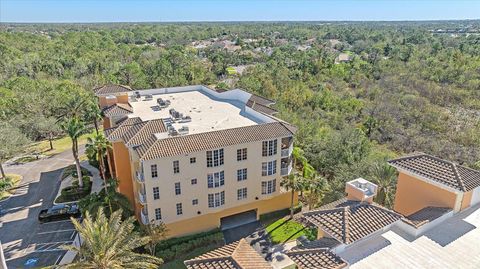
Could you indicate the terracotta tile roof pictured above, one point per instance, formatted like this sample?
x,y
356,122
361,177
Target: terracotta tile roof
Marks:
x,y
261,108
117,110
117,132
237,255
173,146
444,172
425,215
111,89
146,132
319,258
349,221
261,100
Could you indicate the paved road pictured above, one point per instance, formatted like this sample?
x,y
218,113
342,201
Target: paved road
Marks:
x,y
22,236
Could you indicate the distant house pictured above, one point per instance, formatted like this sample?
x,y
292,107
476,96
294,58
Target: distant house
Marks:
x,y
343,58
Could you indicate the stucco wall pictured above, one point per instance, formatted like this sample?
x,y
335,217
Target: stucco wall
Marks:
x,y
414,194
211,221
123,170
166,181
467,198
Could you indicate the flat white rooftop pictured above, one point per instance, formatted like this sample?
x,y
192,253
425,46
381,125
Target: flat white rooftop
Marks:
x,y
454,243
207,113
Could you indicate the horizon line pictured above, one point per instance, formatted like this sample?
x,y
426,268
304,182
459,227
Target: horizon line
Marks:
x,y
240,21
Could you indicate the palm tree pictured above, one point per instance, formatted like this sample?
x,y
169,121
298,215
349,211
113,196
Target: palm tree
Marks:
x,y
385,177
315,191
99,146
295,181
292,182
110,243
74,127
110,199
94,114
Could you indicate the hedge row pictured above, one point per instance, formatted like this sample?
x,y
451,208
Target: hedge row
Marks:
x,y
178,247
71,170
280,213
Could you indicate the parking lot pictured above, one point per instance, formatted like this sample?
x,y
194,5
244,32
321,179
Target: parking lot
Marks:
x,y
26,242
44,247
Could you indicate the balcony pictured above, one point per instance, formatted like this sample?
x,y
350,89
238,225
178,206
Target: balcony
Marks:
x,y
287,151
142,198
144,216
285,170
139,176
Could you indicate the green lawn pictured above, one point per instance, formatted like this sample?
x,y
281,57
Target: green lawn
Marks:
x,y
59,145
11,181
285,229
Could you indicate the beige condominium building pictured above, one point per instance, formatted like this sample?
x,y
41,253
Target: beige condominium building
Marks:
x,y
195,158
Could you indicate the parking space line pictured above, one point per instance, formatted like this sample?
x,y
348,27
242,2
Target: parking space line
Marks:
x,y
57,221
58,231
47,247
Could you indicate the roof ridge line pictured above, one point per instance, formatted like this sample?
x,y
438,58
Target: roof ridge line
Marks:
x,y
458,177
346,226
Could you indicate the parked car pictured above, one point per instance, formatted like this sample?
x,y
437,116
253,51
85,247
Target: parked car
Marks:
x,y
59,212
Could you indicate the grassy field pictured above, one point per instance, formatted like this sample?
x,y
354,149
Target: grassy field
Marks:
x,y
59,145
285,229
12,181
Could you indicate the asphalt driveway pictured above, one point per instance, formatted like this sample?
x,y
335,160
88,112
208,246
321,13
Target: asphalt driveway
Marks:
x,y
25,241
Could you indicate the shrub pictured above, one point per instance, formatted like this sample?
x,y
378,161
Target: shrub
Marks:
x,y
71,170
173,248
74,193
5,184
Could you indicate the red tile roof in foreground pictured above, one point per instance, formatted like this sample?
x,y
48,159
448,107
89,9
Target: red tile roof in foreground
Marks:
x,y
237,255
349,221
316,259
441,171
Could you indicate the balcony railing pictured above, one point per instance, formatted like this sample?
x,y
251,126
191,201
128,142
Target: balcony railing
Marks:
x,y
142,198
288,151
144,216
285,171
139,176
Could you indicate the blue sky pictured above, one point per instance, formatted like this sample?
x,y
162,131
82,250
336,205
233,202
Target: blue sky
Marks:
x,y
233,10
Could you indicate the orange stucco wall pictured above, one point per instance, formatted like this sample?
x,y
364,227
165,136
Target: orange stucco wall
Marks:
x,y
211,221
123,170
106,123
123,98
414,194
467,198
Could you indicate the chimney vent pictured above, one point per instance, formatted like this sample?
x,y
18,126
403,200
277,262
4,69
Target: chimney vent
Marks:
x,y
361,190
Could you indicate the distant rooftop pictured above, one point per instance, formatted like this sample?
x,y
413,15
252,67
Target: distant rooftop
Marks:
x,y
111,89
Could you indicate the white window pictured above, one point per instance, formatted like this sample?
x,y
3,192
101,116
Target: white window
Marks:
x,y
216,199
214,158
195,202
242,194
269,147
154,170
176,167
216,179
178,189
269,186
193,160
179,209
156,193
242,174
193,181
158,214
269,168
241,154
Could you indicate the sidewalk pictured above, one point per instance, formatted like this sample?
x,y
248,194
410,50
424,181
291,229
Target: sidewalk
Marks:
x,y
97,182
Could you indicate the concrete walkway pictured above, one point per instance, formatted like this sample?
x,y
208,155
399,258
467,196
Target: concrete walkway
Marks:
x,y
97,182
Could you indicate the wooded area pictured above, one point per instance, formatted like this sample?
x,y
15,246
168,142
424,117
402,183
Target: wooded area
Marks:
x,y
359,92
